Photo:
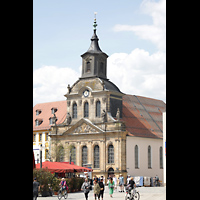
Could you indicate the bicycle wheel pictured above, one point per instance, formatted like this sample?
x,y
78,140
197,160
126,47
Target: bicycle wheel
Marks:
x,y
137,196
59,194
66,195
126,196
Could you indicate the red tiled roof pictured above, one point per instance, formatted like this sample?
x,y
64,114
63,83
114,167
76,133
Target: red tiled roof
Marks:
x,y
46,113
143,116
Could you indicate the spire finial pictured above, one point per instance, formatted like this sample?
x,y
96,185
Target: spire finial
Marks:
x,y
95,23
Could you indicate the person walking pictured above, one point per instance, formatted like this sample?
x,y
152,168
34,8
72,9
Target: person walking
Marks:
x,y
101,184
121,183
96,190
115,180
157,181
36,187
86,188
111,186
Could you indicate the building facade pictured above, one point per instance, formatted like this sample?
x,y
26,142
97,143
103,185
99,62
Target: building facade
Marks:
x,y
42,121
105,129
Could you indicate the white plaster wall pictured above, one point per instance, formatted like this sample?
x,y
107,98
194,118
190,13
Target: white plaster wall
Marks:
x,y
143,144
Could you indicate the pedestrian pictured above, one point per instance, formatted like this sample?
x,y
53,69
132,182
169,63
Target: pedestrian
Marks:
x,y
121,183
86,188
115,180
157,181
111,186
101,184
128,179
36,187
96,190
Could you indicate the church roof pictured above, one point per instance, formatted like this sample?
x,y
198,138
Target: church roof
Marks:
x,y
46,113
143,116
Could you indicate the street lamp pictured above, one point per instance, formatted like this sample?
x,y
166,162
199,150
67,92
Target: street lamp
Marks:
x,y
54,122
41,156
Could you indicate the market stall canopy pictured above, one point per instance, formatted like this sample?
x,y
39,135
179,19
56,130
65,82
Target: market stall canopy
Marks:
x,y
62,167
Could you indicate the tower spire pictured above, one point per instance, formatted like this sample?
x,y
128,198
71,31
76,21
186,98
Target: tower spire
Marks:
x,y
95,23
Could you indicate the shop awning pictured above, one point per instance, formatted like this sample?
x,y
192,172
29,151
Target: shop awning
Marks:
x,y
62,167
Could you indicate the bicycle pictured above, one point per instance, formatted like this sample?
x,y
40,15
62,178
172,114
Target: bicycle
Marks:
x,y
132,196
60,195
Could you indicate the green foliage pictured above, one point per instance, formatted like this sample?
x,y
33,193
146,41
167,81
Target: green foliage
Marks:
x,y
44,177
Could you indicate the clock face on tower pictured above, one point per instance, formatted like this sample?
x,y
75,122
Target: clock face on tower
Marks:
x,y
86,93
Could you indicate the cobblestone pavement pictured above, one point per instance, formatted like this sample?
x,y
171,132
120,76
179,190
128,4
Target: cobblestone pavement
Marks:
x,y
146,193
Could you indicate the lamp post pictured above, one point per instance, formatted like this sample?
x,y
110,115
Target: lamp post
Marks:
x,y
41,156
54,122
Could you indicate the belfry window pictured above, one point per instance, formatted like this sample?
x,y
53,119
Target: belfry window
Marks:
x,y
86,109
88,67
98,109
74,111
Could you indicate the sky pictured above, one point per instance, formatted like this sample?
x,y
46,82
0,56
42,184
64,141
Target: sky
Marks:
x,y
131,32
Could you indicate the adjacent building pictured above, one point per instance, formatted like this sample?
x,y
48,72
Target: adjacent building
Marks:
x,y
42,121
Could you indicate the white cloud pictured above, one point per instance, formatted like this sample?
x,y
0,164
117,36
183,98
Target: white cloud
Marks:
x,y
50,83
156,33
139,73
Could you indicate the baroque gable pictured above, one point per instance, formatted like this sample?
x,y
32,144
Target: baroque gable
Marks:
x,y
83,126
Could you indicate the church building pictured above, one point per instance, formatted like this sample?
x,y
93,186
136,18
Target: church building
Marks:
x,y
105,129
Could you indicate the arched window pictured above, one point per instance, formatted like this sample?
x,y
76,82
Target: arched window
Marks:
x,y
98,109
73,154
86,109
96,156
149,157
136,157
88,67
84,155
74,110
61,154
110,153
161,158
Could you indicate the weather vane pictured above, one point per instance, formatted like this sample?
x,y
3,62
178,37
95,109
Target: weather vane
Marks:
x,y
95,24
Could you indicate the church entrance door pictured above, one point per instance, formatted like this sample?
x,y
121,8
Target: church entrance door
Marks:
x,y
110,172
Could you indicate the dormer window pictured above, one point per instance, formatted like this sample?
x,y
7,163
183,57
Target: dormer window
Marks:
x,y
51,121
38,122
38,112
53,110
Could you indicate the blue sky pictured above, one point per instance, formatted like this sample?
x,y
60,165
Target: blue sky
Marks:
x,y
126,29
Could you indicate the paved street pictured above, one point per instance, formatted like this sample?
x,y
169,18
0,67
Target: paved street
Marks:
x,y
146,193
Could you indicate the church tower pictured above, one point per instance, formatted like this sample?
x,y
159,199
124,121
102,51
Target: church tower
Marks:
x,y
93,130
94,61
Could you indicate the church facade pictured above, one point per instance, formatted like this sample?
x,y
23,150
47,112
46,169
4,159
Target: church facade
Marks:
x,y
102,124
